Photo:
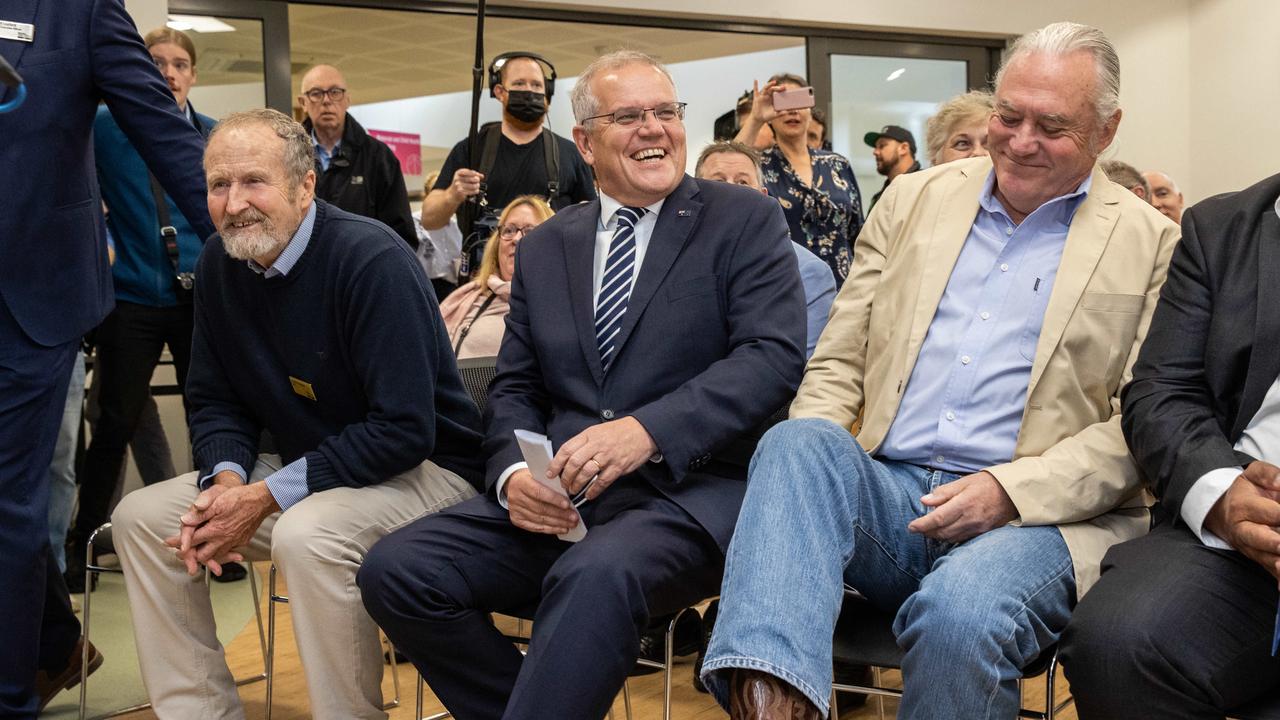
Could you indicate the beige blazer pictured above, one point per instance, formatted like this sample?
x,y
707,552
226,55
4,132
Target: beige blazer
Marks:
x,y
1071,467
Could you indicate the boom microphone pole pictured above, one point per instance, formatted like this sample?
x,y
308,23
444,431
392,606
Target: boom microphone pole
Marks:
x,y
10,78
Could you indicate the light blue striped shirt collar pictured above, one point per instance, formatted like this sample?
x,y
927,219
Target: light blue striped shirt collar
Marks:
x,y
297,245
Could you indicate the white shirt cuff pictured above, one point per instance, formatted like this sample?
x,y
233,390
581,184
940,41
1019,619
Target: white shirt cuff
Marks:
x,y
502,481
1200,499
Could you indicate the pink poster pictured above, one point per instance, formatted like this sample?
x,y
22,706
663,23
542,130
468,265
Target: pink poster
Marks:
x,y
406,146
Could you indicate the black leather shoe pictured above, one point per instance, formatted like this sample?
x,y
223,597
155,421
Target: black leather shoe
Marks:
x,y
231,572
653,644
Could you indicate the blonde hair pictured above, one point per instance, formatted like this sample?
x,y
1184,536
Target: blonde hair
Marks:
x,y
489,263
173,37
959,110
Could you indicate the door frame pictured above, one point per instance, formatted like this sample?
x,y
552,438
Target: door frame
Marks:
x,y
274,16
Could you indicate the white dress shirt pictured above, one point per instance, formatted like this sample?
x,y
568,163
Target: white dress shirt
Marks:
x,y
605,228
1261,440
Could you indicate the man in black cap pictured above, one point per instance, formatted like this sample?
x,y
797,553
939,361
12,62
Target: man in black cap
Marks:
x,y
895,153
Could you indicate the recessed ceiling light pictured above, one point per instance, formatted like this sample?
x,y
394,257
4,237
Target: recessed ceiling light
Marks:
x,y
895,74
198,23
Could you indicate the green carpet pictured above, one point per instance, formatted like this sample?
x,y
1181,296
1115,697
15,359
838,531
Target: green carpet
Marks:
x,y
117,684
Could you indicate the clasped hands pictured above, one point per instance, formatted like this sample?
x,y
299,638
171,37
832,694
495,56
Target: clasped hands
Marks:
x,y
593,459
1248,514
965,508
222,518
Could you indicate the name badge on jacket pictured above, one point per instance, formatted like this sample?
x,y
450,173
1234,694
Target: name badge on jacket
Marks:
x,y
9,30
357,179
302,388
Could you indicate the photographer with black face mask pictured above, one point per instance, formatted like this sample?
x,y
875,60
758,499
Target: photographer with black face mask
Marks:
x,y
518,156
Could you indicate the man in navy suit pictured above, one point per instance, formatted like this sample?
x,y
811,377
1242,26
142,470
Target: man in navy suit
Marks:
x,y
650,332
55,284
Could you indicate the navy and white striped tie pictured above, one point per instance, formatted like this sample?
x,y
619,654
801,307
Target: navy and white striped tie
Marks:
x,y
615,289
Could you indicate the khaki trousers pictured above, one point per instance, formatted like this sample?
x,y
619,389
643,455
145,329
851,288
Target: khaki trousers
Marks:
x,y
317,545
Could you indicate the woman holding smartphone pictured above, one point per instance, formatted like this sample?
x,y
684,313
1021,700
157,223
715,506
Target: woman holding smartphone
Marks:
x,y
816,188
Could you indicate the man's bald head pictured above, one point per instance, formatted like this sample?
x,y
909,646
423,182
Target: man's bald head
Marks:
x,y
325,99
1165,195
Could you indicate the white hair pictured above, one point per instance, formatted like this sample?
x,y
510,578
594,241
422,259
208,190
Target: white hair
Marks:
x,y
1065,38
585,103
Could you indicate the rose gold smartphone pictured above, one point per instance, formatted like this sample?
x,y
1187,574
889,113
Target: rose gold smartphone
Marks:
x,y
793,99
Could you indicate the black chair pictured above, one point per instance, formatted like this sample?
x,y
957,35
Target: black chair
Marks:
x,y
477,373
864,636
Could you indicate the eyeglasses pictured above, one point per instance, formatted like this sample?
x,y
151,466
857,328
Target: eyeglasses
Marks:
x,y
630,116
316,95
514,232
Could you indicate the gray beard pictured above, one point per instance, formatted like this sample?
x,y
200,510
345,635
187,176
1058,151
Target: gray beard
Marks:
x,y
253,243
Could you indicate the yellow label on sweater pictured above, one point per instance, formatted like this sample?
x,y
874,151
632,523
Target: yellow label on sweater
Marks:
x,y
302,388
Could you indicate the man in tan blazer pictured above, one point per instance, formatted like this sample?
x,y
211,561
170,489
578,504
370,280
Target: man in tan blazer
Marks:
x,y
955,451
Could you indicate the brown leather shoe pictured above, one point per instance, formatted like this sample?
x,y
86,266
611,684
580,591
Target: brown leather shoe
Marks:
x,y
755,695
69,677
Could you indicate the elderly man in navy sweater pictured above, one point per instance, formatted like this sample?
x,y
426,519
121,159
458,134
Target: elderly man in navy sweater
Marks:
x,y
319,327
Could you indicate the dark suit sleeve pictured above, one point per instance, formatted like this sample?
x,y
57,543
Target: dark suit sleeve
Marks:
x,y
765,315
393,199
1168,416
518,399
144,107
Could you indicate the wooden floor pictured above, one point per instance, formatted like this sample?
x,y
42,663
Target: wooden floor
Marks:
x,y
290,691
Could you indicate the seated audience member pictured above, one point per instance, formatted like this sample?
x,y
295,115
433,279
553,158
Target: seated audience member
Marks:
x,y
354,170
817,189
733,162
1127,177
319,327
475,314
1182,621
959,129
439,249
153,307
1165,195
995,307
816,137
649,331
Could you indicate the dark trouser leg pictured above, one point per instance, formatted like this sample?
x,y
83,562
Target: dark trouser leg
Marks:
x,y
1173,629
430,586
37,632
129,345
644,558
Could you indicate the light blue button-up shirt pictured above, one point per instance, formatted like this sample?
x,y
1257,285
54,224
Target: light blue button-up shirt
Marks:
x,y
324,157
288,485
963,403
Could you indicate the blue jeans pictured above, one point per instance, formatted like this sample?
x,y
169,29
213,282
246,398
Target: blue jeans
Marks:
x,y
62,471
820,513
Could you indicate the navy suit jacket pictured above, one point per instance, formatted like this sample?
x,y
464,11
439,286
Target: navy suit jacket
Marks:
x,y
711,345
54,274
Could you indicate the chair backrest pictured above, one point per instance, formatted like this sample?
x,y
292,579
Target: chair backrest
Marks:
x,y
477,373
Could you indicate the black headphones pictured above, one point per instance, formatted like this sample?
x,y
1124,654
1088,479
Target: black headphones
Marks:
x,y
548,74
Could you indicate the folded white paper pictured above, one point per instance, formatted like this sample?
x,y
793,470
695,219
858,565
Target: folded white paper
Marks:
x,y
536,449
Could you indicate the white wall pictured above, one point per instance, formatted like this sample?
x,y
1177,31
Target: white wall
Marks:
x,y
1235,72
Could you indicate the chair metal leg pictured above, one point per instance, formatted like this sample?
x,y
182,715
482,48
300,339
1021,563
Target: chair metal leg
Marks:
x,y
89,576
835,705
878,682
395,675
626,698
1049,699
262,636
271,635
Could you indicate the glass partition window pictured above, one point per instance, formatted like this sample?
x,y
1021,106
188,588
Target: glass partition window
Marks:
x,y
229,64
869,92
409,73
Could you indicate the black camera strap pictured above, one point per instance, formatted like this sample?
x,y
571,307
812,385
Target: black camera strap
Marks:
x,y
168,233
467,328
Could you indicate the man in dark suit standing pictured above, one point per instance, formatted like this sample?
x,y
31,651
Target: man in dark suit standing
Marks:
x,y
1181,623
55,284
649,331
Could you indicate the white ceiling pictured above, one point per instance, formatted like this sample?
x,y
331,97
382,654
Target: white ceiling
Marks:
x,y
389,54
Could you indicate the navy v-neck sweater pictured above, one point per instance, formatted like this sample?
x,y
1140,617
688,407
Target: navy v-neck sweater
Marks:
x,y
345,361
